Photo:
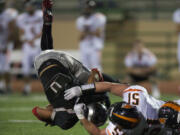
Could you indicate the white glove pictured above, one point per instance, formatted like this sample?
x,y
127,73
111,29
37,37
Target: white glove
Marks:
x,y
72,92
79,110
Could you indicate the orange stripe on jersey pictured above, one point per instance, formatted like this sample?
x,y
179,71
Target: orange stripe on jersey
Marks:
x,y
134,120
172,105
108,132
133,90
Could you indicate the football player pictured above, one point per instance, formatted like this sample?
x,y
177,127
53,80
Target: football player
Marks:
x,y
134,95
30,25
124,120
153,110
91,26
7,31
59,71
169,117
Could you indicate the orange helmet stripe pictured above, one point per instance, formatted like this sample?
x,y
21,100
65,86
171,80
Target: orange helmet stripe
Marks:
x,y
172,105
134,120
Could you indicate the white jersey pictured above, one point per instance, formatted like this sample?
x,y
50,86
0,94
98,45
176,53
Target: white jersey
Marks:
x,y
147,59
6,17
138,96
176,16
30,24
112,129
94,22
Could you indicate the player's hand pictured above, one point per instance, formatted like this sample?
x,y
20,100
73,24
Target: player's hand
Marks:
x,y
72,92
79,110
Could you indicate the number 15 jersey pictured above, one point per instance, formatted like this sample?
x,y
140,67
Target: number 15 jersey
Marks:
x,y
138,96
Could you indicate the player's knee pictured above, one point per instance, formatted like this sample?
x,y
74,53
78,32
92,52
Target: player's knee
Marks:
x,y
65,120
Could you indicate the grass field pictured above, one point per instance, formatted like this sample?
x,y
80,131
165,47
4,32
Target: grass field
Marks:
x,y
16,117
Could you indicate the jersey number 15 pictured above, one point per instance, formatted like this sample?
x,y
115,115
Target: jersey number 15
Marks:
x,y
133,98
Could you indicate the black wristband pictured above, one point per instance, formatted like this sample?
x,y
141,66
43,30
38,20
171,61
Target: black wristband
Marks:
x,y
88,89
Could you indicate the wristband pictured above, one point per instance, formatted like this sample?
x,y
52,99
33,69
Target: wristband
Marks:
x,y
88,89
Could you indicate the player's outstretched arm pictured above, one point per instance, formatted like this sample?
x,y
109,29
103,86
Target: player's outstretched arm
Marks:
x,y
88,89
47,40
89,126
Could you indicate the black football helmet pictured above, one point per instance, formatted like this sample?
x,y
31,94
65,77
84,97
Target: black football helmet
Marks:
x,y
169,115
124,115
96,113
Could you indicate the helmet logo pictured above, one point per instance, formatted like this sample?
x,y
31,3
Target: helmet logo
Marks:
x,y
162,120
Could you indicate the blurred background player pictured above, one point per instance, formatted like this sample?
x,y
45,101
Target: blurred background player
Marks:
x,y
141,66
30,23
91,26
8,17
176,19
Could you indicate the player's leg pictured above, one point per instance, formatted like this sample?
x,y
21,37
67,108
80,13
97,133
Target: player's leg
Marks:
x,y
46,40
26,67
43,114
178,54
2,85
95,59
7,75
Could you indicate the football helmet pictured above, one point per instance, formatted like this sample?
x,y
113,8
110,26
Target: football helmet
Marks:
x,y
124,115
96,113
169,115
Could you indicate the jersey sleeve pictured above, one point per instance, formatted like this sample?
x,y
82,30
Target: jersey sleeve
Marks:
x,y
79,24
101,21
152,59
128,60
11,13
20,21
176,16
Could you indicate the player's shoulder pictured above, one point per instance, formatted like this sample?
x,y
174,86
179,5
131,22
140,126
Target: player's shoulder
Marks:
x,y
176,16
100,16
11,12
80,19
177,11
39,13
136,88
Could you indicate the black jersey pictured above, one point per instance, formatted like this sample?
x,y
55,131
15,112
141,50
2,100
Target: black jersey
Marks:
x,y
59,71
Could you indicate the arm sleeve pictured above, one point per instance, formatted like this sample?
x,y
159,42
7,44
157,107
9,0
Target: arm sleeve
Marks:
x,y
128,61
176,16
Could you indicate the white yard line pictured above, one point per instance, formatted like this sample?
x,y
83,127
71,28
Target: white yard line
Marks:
x,y
21,99
20,121
16,109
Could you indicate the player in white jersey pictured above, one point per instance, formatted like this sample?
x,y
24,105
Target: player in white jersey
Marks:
x,y
134,95
176,19
30,24
124,120
141,66
7,27
91,26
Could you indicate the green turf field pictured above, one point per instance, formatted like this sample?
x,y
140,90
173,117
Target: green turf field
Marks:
x,y
16,117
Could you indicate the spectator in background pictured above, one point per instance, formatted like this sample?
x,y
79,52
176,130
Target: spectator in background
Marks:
x,y
176,19
8,17
30,24
91,26
141,66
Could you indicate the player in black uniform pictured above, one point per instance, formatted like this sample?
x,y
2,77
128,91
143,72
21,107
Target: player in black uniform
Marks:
x,y
59,71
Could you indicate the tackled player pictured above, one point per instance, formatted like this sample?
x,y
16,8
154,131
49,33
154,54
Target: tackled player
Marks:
x,y
59,71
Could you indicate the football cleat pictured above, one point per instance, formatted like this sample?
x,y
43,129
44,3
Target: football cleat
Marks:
x,y
47,11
